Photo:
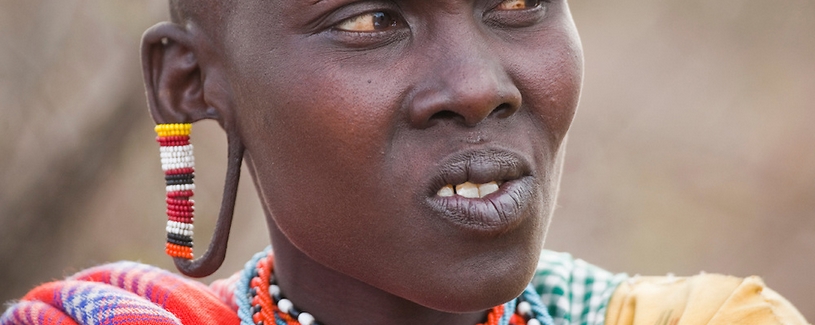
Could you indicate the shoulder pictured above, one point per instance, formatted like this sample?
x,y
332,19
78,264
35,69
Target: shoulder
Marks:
x,y
576,292
120,293
703,299
573,291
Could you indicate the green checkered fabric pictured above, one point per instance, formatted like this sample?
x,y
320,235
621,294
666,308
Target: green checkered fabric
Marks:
x,y
575,292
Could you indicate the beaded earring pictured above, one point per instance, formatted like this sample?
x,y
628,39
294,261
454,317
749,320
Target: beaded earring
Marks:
x,y
179,170
178,164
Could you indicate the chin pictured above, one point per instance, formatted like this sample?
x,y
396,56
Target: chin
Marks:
x,y
481,283
481,294
499,273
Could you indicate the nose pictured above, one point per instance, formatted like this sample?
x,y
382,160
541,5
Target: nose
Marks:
x,y
467,87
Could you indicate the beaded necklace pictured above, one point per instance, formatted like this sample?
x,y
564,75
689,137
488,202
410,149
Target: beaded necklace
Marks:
x,y
260,301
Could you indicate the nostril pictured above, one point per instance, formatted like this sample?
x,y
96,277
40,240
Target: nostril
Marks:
x,y
445,115
502,111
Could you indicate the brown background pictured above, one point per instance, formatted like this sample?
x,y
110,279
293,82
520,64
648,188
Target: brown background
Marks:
x,y
693,149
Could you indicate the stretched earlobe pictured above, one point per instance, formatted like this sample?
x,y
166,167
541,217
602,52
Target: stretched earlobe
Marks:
x,y
181,88
216,252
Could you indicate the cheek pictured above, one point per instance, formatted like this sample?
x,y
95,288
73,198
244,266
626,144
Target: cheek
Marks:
x,y
551,81
321,150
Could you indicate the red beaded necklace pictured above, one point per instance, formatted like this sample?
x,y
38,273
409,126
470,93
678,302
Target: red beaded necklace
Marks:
x,y
269,304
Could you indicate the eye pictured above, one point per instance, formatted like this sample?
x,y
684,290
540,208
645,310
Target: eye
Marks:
x,y
369,22
518,4
517,13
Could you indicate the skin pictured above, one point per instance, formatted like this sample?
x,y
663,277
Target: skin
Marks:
x,y
349,134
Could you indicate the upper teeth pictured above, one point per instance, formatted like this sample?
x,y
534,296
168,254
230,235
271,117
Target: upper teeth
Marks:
x,y
469,190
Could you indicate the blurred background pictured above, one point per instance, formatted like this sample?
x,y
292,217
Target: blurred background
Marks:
x,y
693,149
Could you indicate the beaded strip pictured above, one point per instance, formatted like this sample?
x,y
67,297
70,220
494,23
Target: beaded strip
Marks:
x,y
178,164
260,301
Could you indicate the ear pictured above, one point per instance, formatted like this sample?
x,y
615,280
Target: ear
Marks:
x,y
184,82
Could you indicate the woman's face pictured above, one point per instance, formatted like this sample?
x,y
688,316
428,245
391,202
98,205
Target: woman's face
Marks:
x,y
361,118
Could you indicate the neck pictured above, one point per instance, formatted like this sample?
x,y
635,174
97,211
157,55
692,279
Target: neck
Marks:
x,y
337,299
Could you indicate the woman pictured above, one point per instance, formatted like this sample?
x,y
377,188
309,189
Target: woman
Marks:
x,y
407,156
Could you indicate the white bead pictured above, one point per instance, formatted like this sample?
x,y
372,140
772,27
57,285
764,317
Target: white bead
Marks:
x,y
170,157
177,165
175,154
180,225
524,308
533,321
176,148
284,305
179,231
180,187
305,319
274,290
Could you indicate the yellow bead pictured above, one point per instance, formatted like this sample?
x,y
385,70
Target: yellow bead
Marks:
x,y
173,129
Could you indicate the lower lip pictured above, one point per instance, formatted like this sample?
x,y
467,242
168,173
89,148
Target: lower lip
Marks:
x,y
493,214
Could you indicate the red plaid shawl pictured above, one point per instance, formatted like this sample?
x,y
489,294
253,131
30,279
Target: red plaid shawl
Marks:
x,y
123,293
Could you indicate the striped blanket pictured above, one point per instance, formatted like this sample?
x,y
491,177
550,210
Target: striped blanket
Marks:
x,y
573,291
123,293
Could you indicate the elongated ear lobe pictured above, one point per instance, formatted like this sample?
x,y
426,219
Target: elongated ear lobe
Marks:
x,y
186,83
175,78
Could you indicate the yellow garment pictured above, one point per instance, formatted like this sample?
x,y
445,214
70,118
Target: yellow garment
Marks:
x,y
703,299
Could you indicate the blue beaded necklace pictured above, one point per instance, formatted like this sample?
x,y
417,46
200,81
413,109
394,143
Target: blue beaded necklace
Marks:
x,y
256,288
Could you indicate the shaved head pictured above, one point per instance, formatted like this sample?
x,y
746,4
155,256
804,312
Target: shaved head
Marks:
x,y
206,14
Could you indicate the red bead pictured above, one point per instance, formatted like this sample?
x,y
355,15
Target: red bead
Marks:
x,y
180,195
517,320
178,171
178,214
178,202
180,219
178,251
180,208
172,138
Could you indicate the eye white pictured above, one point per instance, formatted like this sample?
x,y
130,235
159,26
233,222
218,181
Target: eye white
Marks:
x,y
369,22
518,4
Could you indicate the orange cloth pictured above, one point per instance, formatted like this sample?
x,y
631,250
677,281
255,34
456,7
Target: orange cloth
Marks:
x,y
709,299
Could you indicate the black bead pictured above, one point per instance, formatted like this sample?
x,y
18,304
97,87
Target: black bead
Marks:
x,y
179,181
179,176
179,237
294,313
179,242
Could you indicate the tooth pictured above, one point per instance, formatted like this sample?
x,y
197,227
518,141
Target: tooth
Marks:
x,y
487,189
446,191
468,190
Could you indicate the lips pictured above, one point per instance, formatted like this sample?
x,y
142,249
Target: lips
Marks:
x,y
483,191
